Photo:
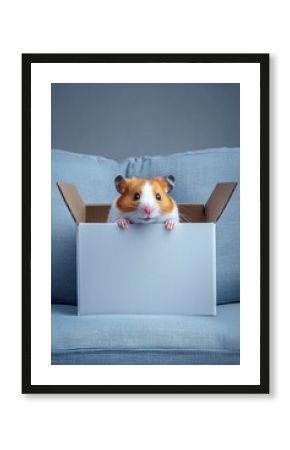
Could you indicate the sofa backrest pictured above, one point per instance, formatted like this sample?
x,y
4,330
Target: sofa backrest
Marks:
x,y
196,173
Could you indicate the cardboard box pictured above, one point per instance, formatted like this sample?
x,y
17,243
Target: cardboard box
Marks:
x,y
147,269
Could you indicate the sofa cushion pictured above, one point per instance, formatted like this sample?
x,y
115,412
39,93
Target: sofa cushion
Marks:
x,y
144,339
196,174
93,176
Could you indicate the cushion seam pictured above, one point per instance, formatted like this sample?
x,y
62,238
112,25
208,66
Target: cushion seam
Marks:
x,y
143,349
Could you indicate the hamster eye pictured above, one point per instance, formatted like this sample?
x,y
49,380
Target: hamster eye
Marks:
x,y
158,197
137,196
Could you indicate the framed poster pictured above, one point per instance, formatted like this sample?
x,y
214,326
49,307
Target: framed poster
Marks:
x,y
145,223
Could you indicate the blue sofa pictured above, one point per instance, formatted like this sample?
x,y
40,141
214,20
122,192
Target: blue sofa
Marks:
x,y
145,339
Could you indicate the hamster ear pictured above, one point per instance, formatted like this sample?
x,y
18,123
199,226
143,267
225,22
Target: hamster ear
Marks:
x,y
170,180
120,183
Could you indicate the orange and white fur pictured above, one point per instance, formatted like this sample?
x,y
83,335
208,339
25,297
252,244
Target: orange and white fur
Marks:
x,y
144,200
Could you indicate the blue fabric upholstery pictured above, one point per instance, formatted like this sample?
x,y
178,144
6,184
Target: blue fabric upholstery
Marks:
x,y
145,339
196,174
94,178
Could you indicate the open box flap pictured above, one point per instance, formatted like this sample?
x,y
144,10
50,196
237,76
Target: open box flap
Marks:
x,y
218,200
192,213
73,201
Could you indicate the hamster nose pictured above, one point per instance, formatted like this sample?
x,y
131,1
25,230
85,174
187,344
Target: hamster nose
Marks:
x,y
147,210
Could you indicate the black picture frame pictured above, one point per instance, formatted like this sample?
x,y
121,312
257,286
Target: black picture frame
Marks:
x,y
263,60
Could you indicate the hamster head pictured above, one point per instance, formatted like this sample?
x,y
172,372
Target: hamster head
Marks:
x,y
145,200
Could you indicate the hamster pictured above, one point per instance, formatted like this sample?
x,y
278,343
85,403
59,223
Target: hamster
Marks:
x,y
143,200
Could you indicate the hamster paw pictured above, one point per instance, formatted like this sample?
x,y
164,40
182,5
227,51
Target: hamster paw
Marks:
x,y
170,224
123,223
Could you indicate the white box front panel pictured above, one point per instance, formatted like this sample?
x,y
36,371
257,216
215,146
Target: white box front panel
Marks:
x,y
146,269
